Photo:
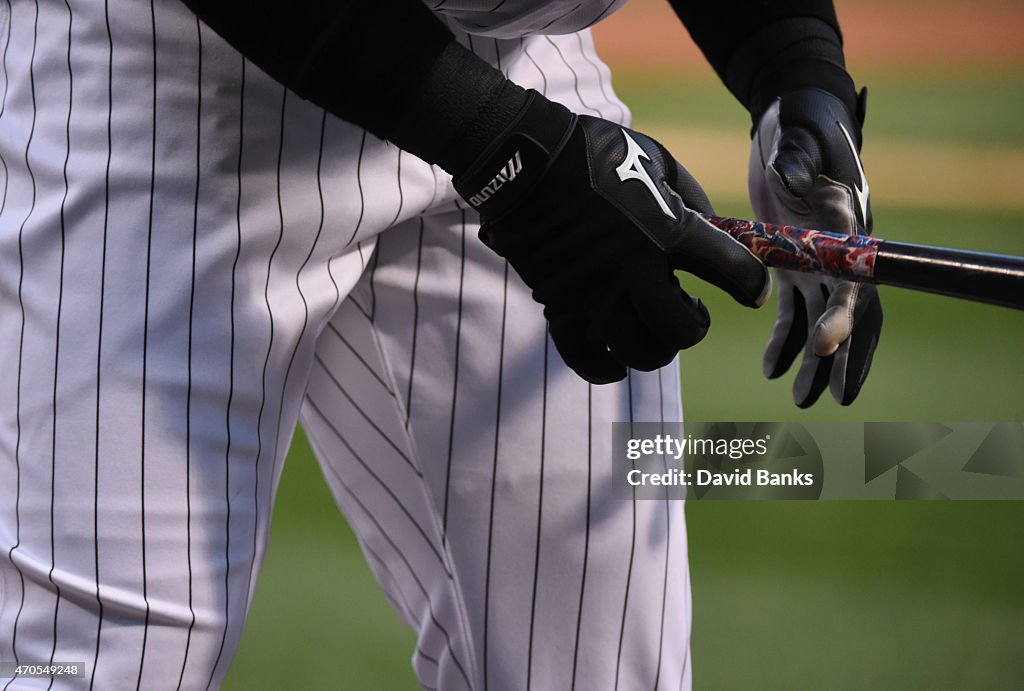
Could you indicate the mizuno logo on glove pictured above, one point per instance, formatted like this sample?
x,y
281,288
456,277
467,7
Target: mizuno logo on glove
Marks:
x,y
633,169
507,173
860,190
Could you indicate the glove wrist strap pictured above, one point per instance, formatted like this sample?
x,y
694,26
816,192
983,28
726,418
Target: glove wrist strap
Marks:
x,y
787,55
518,158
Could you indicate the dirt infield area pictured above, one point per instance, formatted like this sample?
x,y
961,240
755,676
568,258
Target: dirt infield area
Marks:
x,y
899,40
903,34
905,172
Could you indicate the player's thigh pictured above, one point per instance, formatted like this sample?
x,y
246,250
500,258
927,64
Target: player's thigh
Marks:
x,y
476,469
168,256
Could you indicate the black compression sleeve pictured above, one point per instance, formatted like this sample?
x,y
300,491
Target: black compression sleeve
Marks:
x,y
461,106
762,49
358,60
389,66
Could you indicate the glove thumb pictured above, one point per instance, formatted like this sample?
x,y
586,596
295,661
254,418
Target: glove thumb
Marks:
x,y
714,256
710,254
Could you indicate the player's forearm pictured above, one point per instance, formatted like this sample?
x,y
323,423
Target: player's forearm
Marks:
x,y
386,65
764,49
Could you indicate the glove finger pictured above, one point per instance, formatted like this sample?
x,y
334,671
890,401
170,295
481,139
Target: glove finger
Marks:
x,y
813,377
853,358
629,340
587,358
714,256
789,335
678,320
634,346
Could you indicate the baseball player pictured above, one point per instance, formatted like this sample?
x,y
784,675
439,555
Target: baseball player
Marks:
x,y
429,234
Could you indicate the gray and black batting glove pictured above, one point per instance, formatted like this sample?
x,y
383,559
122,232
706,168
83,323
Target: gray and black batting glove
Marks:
x,y
805,170
595,217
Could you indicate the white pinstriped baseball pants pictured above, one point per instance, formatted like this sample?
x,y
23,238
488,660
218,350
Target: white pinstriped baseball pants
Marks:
x,y
191,259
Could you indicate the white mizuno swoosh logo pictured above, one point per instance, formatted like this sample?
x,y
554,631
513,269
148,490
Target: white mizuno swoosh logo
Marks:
x,y
633,169
860,190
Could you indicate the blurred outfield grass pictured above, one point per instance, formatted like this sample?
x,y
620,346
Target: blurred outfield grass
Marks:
x,y
838,595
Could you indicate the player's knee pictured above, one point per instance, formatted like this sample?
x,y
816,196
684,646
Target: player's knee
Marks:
x,y
156,624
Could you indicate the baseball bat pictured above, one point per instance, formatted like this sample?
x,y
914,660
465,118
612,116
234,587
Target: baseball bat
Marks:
x,y
996,279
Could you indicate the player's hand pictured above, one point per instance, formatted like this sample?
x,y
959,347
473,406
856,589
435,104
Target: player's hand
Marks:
x,y
805,170
595,217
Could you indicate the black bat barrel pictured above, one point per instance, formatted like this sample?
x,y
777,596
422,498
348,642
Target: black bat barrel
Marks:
x,y
993,278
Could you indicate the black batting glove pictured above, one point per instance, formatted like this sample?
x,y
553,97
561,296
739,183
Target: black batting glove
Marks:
x,y
595,217
805,170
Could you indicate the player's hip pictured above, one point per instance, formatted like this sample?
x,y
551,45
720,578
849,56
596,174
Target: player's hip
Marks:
x,y
142,103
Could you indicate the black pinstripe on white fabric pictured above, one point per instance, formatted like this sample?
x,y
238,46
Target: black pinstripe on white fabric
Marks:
x,y
413,569
57,334
603,77
154,79
586,536
21,328
432,259
228,437
99,344
668,540
494,471
3,101
242,255
191,336
359,188
540,507
632,544
455,373
415,326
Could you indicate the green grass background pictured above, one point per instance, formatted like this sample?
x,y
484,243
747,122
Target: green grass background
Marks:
x,y
838,595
